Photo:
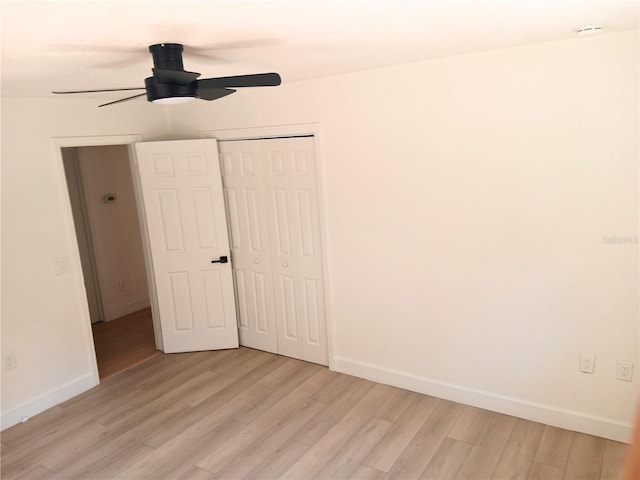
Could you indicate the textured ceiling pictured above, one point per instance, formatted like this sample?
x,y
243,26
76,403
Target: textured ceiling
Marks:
x,y
81,45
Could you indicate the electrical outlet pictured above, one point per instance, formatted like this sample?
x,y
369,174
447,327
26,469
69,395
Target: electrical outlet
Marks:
x,y
121,285
625,371
9,360
587,362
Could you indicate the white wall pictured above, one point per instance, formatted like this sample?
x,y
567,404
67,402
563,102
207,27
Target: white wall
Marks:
x,y
466,200
465,204
44,316
115,229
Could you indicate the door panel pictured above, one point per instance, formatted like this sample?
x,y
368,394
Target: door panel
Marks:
x,y
279,235
244,193
185,216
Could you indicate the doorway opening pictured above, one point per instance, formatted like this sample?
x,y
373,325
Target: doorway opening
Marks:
x,y
103,204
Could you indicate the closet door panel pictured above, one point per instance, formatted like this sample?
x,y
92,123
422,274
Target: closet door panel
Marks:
x,y
293,213
272,201
250,250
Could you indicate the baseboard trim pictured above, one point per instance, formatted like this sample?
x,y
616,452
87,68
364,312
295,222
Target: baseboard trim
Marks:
x,y
122,310
47,400
547,414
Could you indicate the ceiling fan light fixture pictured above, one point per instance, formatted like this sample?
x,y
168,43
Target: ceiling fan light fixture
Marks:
x,y
173,100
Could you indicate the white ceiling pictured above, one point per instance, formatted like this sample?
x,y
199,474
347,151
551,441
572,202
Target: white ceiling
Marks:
x,y
56,45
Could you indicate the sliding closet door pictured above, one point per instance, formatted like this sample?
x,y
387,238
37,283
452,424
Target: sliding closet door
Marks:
x,y
272,198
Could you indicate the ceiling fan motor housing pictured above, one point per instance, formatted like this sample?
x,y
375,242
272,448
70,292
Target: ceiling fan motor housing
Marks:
x,y
157,90
167,56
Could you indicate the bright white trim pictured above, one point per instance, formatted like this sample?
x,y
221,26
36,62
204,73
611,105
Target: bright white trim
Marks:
x,y
47,400
76,264
126,309
546,414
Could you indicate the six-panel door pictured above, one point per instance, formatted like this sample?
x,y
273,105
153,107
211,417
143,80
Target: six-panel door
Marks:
x,y
271,192
187,229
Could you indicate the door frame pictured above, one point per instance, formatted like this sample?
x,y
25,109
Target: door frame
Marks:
x,y
294,130
74,176
99,141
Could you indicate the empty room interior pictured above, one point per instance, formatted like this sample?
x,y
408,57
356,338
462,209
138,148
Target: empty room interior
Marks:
x,y
384,240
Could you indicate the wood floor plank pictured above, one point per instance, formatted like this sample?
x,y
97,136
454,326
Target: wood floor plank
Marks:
x,y
346,461
446,462
105,462
519,452
196,473
364,472
613,461
585,458
338,435
194,434
28,455
279,461
263,424
283,379
227,401
554,447
417,455
119,440
387,452
541,471
397,403
265,447
176,464
37,473
469,424
75,445
337,408
117,385
334,388
135,399
486,452
24,432
224,378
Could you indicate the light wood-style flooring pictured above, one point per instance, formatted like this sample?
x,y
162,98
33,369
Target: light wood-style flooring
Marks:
x,y
124,342
250,414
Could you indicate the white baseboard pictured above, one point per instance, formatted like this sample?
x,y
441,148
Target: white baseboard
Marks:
x,y
546,414
121,310
47,400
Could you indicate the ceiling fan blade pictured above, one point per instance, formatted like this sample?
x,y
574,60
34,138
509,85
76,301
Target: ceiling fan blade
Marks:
x,y
102,90
255,80
177,77
122,100
213,93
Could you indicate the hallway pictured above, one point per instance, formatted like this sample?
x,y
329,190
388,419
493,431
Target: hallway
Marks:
x,y
124,342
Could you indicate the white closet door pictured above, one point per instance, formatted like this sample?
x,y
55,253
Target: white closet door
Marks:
x,y
250,253
291,187
277,235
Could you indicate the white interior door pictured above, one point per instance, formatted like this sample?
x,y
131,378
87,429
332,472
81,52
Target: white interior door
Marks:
x,y
244,191
291,185
187,231
271,190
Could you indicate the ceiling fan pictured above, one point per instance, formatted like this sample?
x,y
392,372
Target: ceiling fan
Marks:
x,y
171,84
